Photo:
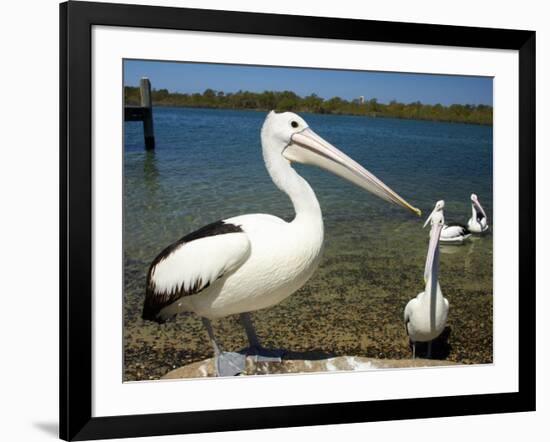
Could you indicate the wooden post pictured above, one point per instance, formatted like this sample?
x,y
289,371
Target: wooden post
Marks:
x,y
147,105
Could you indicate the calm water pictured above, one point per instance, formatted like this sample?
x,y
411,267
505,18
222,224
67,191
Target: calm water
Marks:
x,y
208,165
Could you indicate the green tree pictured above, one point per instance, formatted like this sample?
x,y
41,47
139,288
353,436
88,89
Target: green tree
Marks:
x,y
290,101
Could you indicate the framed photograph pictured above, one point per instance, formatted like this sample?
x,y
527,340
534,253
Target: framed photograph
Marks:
x,y
273,220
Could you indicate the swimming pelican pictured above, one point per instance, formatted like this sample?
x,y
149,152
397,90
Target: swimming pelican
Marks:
x,y
426,315
250,262
478,222
454,233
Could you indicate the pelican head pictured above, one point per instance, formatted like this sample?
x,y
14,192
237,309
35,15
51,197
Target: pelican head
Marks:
x,y
298,143
437,214
477,205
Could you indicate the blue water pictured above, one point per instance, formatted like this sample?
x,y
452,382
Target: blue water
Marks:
x,y
208,165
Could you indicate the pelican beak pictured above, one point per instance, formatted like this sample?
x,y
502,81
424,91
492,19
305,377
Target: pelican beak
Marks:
x,y
429,218
438,209
478,206
435,233
307,147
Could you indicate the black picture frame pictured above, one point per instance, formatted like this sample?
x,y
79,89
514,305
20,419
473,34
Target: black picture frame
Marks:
x,y
76,21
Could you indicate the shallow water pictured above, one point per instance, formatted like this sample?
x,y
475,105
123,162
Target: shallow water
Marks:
x,y
208,166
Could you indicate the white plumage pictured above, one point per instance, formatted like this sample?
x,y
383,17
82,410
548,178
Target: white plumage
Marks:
x,y
478,221
421,327
242,277
200,263
426,315
454,234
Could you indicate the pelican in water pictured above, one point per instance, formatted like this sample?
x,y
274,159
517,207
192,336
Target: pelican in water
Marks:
x,y
426,315
251,262
455,233
478,222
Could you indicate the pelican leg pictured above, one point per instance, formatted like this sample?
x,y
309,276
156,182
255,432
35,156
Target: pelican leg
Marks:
x,y
226,363
255,349
414,349
429,352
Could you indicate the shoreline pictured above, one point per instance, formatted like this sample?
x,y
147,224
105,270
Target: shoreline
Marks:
x,y
376,116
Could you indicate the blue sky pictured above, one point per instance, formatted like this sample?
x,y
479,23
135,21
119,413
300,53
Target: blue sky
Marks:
x,y
385,86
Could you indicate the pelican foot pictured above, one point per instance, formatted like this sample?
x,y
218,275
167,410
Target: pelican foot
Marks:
x,y
230,363
261,354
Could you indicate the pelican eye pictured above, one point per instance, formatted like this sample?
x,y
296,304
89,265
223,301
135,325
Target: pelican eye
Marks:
x,y
294,124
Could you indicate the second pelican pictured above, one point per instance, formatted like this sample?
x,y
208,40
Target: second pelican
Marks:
x,y
426,315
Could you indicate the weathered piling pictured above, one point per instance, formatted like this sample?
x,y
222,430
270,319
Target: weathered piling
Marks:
x,y
146,103
144,113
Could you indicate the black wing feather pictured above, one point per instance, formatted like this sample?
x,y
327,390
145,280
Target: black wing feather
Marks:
x,y
155,301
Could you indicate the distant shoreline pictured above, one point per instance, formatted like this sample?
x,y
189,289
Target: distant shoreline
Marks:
x,y
289,101
320,113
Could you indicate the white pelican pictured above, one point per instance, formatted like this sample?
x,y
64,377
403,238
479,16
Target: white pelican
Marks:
x,y
426,315
250,262
478,222
455,233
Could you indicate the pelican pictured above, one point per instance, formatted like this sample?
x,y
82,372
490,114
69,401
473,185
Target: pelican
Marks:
x,y
251,262
426,315
478,222
454,233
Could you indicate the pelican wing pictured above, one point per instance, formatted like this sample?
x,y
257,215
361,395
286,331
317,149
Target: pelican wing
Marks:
x,y
408,313
191,264
454,230
483,222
